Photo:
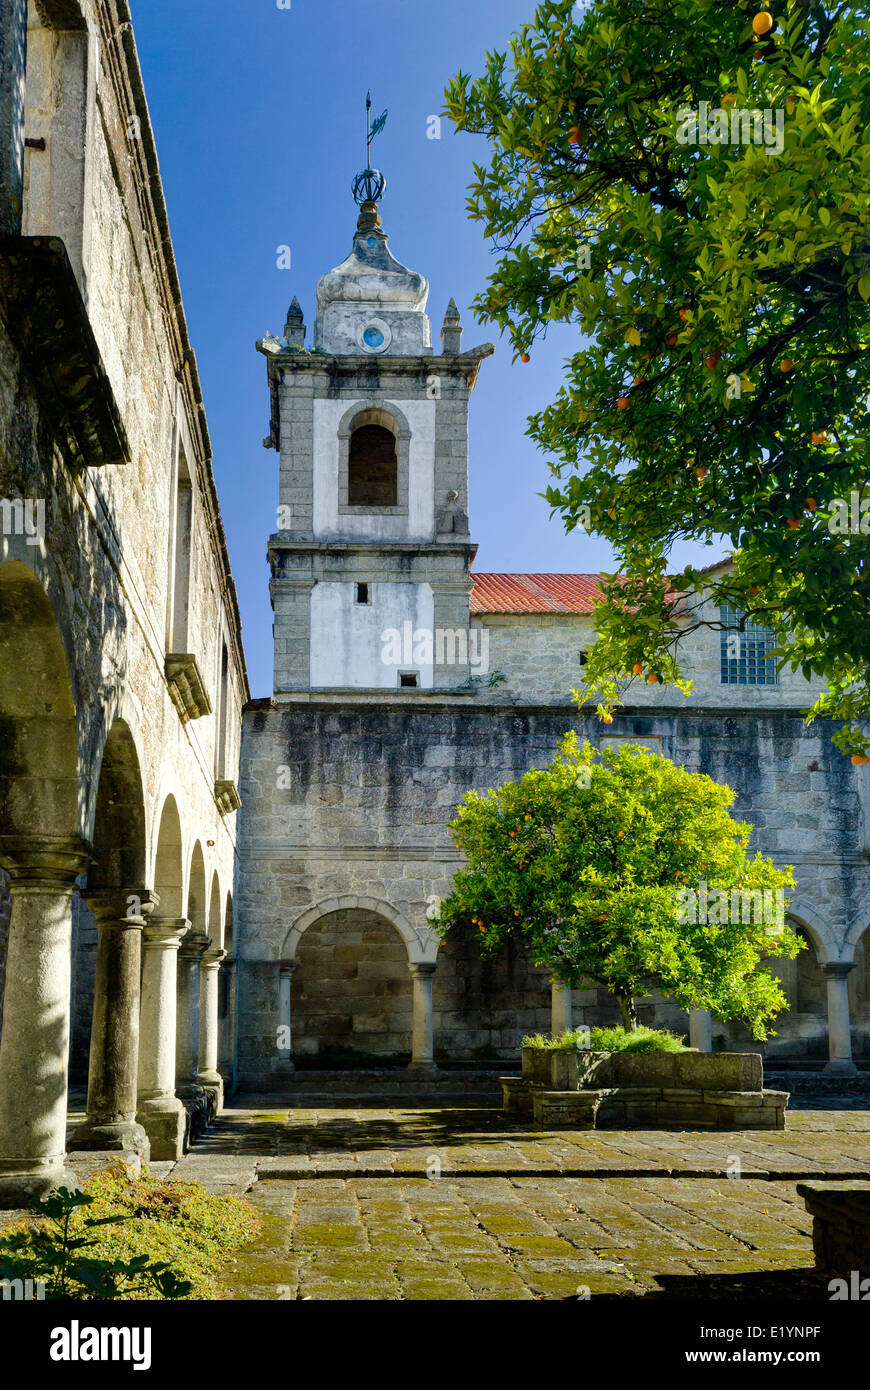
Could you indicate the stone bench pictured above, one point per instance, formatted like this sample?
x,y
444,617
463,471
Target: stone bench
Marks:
x,y
841,1225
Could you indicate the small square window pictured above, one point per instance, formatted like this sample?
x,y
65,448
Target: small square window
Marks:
x,y
363,593
409,680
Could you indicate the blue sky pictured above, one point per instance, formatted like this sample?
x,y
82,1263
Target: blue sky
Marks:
x,y
259,116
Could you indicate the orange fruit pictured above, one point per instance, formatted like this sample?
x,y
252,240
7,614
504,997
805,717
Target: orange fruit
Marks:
x,y
684,314
859,759
637,668
639,380
574,135
652,678
819,437
712,362
608,718
786,364
672,339
762,23
701,473
622,403
524,357
794,522
753,591
811,504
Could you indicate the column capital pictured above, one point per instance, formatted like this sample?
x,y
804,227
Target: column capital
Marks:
x,y
286,967
838,969
121,907
194,944
54,861
165,933
422,967
212,958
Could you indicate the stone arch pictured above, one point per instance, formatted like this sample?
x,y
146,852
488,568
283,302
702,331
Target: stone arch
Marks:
x,y
419,948
817,928
119,836
197,905
215,913
169,861
39,764
118,868
227,937
858,926
391,475
351,989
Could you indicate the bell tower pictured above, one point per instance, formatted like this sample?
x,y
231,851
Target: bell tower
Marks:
x,y
370,563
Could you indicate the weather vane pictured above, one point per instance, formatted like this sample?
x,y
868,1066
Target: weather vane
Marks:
x,y
370,185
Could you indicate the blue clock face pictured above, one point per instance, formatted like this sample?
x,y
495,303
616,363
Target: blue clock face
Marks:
x,y
373,241
373,338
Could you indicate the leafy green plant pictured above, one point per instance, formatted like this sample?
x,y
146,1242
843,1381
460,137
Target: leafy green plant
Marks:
x,y
720,291
128,1239
586,863
608,1040
641,1040
53,1253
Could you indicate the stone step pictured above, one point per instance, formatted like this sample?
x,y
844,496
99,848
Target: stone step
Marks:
x,y
393,1082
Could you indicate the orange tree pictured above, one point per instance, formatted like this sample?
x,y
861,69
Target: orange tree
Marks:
x,y
688,182
591,864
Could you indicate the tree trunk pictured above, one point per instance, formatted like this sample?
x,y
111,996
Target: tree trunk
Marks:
x,y
626,1009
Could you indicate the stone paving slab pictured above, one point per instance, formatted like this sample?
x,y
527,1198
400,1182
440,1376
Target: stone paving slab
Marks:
x,y
460,1202
260,1137
527,1238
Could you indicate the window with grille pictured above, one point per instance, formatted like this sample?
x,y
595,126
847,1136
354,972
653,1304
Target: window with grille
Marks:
x,y
745,654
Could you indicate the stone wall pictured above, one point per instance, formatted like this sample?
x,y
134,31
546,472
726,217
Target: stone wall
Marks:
x,y
362,804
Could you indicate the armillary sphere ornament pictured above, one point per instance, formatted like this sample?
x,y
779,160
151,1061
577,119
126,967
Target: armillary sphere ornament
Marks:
x,y
371,185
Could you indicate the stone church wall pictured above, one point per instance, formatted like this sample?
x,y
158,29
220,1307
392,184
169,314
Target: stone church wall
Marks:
x,y
353,799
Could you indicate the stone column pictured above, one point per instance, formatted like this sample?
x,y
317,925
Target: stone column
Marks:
x,y
226,1021
190,952
13,63
285,1016
209,1075
423,1048
562,1013
701,1029
114,1058
160,1113
34,1049
839,1029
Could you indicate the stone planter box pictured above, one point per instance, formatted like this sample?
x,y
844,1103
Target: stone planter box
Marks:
x,y
649,1090
841,1226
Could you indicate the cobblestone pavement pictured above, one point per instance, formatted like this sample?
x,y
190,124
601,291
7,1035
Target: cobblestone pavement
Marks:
x,y
362,1202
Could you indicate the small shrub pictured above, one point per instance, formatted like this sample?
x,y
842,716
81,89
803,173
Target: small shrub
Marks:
x,y
609,1040
127,1239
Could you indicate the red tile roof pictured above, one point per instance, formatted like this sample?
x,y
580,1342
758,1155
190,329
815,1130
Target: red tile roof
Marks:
x,y
534,593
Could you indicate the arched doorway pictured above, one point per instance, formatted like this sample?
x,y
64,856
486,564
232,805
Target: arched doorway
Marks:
x,y
351,991
43,853
160,1111
108,960
483,1007
193,946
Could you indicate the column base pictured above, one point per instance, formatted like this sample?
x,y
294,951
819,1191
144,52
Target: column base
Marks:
x,y
213,1083
110,1137
18,1185
423,1069
840,1067
164,1120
